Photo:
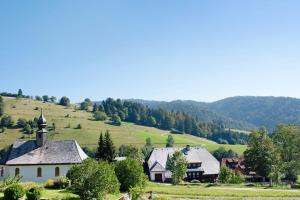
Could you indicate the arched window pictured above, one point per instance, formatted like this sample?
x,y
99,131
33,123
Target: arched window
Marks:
x,y
56,171
17,171
39,172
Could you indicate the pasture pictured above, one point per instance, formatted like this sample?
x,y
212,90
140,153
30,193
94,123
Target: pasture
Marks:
x,y
66,120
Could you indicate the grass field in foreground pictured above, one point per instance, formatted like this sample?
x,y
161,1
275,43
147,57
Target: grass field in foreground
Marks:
x,y
63,194
201,190
127,133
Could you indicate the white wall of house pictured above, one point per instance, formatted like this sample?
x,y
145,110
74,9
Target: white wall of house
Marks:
x,y
30,172
152,176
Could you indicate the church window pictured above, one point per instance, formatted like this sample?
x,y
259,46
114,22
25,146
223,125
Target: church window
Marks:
x,y
17,171
56,171
39,172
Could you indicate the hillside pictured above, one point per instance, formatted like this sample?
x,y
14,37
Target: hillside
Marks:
x,y
239,112
200,110
127,133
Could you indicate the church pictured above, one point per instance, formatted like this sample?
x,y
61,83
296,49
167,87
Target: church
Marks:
x,y
41,159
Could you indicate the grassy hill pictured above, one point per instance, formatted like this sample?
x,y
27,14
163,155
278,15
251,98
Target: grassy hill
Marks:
x,y
88,135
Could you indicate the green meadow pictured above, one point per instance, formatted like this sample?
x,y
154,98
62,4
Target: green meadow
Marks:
x,y
66,120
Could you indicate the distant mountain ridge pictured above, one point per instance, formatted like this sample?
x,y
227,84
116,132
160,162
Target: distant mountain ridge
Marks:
x,y
241,112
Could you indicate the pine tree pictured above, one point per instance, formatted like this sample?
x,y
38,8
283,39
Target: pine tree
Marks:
x,y
170,141
109,148
101,146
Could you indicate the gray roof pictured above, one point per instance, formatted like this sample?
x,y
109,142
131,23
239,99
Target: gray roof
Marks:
x,y
210,165
53,152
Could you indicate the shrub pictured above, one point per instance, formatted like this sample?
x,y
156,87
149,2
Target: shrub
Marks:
x,y
229,176
63,182
93,180
100,116
9,181
34,193
29,185
136,192
130,174
14,192
78,126
50,183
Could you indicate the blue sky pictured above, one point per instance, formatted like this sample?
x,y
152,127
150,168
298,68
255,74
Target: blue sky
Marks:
x,y
161,50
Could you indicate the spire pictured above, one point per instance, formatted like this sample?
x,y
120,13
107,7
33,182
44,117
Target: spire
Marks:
x,y
42,122
41,134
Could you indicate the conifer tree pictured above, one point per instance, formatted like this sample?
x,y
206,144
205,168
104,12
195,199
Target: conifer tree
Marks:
x,y
109,148
100,150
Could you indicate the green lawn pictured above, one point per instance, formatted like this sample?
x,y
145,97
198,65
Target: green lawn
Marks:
x,y
63,194
220,191
127,133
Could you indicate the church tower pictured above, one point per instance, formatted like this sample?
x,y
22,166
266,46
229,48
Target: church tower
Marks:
x,y
41,134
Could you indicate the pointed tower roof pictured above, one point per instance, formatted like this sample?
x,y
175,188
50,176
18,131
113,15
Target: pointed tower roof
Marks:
x,y
42,120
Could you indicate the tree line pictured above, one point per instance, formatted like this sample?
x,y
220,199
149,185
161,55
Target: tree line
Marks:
x,y
275,156
177,122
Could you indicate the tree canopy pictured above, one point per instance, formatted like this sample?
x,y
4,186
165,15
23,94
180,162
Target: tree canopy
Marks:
x,y
177,164
93,179
261,154
64,101
130,174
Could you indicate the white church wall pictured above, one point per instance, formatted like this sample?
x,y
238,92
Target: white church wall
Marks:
x,y
29,173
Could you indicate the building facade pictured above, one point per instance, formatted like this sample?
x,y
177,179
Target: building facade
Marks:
x,y
41,159
202,166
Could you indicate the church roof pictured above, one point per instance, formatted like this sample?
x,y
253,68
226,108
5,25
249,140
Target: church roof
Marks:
x,y
53,152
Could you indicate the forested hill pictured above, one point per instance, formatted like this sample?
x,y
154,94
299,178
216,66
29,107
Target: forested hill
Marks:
x,y
245,112
200,110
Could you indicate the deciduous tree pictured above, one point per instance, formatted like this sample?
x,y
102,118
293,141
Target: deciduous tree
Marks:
x,y
177,164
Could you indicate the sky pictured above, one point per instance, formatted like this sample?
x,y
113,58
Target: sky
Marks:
x,y
202,50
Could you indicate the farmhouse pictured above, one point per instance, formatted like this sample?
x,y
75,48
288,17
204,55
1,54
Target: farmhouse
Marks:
x,y
41,159
202,166
236,164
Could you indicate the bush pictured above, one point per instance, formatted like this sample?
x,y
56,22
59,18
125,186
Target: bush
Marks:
x,y
63,182
116,120
79,126
229,176
92,179
14,192
50,183
9,181
29,185
130,174
100,116
34,193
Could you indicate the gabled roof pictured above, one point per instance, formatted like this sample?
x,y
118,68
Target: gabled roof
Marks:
x,y
53,152
157,167
210,165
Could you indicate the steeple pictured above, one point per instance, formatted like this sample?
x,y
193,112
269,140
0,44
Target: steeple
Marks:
x,y
41,134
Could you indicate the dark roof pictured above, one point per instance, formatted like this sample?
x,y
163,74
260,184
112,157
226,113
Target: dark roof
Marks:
x,y
53,152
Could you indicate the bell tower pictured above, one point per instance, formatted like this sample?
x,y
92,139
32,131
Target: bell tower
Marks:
x,y
41,134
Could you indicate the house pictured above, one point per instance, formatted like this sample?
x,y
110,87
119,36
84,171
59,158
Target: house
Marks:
x,y
236,164
41,159
202,166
